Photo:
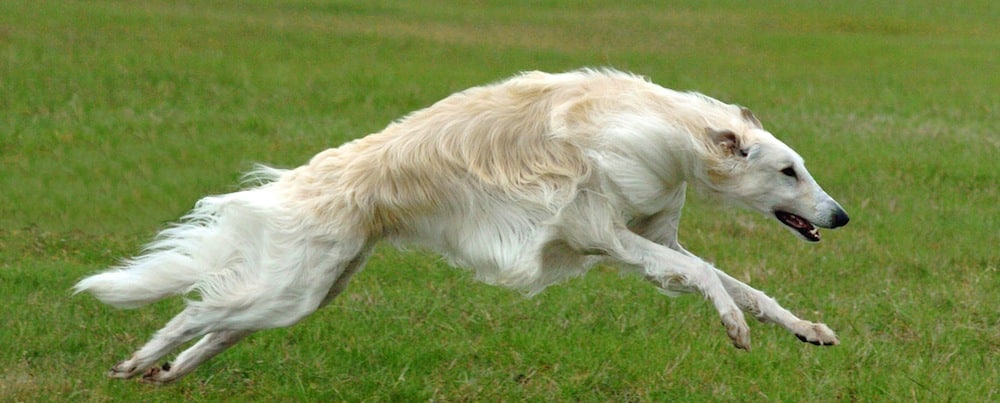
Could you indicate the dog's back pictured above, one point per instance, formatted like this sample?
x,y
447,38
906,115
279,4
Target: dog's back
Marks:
x,y
522,139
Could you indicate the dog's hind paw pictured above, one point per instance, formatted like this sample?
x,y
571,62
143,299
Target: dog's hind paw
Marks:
x,y
124,370
816,333
158,376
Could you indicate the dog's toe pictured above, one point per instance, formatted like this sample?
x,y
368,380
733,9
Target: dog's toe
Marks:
x,y
737,329
158,376
813,342
817,334
151,373
123,370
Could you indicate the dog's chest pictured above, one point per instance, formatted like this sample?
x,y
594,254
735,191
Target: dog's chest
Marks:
x,y
640,198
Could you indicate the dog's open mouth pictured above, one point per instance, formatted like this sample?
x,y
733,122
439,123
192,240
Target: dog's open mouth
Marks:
x,y
799,224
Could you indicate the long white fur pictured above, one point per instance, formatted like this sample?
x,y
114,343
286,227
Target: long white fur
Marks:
x,y
527,182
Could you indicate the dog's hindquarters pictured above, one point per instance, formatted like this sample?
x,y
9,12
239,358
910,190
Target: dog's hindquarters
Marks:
x,y
238,307
250,260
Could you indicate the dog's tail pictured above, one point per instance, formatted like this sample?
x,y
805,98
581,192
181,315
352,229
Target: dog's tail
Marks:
x,y
220,233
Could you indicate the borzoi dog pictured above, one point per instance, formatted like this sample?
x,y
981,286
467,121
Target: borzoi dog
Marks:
x,y
527,182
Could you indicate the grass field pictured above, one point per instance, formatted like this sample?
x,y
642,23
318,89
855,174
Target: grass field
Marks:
x,y
116,116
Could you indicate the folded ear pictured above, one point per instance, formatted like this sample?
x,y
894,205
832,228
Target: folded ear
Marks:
x,y
727,141
749,117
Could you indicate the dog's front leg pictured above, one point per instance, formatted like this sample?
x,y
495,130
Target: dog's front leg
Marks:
x,y
662,229
672,271
766,309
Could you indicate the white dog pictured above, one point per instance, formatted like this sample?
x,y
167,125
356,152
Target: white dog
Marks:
x,y
527,181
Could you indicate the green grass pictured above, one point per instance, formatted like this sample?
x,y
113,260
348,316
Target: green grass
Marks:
x,y
116,116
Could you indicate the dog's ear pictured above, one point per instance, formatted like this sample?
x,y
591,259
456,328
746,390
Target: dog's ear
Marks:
x,y
749,117
727,141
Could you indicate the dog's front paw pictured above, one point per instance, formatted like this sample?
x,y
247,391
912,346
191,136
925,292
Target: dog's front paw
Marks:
x,y
816,333
737,329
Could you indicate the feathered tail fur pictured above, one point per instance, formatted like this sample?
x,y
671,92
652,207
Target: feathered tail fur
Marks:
x,y
212,237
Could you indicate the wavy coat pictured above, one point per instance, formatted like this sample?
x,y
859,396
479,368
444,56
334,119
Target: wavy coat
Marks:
x,y
526,182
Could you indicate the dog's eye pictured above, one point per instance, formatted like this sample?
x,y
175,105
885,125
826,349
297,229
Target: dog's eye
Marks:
x,y
789,172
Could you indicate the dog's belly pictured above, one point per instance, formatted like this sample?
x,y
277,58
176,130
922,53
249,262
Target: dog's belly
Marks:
x,y
510,247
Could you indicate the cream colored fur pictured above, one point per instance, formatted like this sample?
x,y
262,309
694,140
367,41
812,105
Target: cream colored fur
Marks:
x,y
526,182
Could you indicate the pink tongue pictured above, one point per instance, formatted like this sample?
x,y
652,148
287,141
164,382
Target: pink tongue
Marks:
x,y
798,222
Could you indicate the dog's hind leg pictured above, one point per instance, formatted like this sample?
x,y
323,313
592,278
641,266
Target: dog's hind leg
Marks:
x,y
209,346
281,307
766,309
355,265
179,330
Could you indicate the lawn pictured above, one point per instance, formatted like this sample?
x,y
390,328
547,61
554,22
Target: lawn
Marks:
x,y
116,116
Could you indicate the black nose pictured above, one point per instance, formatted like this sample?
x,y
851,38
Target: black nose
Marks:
x,y
840,219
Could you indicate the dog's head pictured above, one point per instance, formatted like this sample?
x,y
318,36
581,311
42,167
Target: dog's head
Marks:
x,y
753,168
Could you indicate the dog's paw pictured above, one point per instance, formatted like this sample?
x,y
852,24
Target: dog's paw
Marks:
x,y
124,370
737,329
158,376
816,333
